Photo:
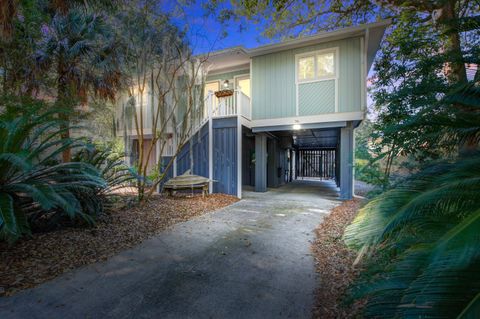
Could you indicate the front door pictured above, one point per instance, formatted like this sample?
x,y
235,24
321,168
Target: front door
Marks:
x,y
243,83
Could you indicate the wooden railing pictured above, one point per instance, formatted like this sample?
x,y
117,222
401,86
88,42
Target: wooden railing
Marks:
x,y
237,104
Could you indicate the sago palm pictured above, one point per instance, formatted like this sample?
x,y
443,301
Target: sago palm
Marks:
x,y
112,170
421,239
33,185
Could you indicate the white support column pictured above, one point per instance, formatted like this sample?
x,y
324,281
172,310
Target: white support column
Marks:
x,y
210,143
239,156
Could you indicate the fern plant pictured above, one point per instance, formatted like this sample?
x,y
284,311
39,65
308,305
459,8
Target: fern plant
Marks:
x,y
33,185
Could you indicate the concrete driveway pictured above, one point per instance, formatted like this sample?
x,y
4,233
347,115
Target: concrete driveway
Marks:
x,y
249,260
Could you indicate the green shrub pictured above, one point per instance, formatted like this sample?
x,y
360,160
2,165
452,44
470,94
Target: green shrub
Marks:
x,y
112,170
34,187
368,172
422,241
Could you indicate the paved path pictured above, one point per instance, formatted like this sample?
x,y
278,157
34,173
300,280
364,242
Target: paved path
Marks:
x,y
249,260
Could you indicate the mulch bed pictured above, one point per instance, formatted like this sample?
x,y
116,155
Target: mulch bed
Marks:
x,y
362,188
334,263
46,255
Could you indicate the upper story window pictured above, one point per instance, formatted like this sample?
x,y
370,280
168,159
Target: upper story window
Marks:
x,y
316,66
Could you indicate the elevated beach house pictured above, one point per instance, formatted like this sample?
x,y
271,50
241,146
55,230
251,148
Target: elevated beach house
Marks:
x,y
280,112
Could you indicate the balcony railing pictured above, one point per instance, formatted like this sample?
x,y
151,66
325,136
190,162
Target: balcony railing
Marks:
x,y
236,104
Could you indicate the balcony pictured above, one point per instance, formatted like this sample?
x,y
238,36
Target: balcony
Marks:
x,y
237,104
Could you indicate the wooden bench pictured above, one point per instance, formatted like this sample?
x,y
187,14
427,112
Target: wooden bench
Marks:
x,y
185,182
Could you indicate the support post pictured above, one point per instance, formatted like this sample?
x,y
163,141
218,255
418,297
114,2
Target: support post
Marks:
x,y
239,156
210,141
346,161
337,164
260,163
290,173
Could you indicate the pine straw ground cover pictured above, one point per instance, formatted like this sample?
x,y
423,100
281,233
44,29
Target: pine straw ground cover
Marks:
x,y
334,263
44,256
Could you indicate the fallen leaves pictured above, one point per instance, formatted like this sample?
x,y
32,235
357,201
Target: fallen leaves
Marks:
x,y
46,255
334,263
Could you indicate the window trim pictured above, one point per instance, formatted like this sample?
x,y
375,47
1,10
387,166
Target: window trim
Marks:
x,y
315,54
242,77
335,77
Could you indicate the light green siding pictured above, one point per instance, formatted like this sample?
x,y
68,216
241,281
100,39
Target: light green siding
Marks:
x,y
350,80
182,103
274,87
316,98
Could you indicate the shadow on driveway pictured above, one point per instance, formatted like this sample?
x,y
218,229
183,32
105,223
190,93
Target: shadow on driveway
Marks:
x,y
248,260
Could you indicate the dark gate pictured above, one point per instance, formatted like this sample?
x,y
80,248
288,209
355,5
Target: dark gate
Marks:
x,y
316,163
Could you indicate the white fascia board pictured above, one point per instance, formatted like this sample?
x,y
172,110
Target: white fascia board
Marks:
x,y
241,67
330,117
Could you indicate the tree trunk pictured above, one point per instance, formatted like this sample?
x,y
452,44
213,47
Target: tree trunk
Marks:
x,y
455,70
63,102
67,153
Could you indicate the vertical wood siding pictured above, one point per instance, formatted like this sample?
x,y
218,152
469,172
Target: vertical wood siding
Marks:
x,y
274,88
225,156
200,154
164,160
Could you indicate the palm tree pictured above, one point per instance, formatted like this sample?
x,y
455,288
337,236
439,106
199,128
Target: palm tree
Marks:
x,y
79,49
9,8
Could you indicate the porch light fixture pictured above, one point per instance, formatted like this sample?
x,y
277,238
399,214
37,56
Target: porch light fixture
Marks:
x,y
226,84
296,126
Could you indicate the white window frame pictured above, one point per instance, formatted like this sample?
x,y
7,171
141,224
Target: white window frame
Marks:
x,y
314,54
242,77
335,76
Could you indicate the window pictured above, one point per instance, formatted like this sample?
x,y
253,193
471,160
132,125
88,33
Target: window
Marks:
x,y
325,65
306,68
211,86
316,66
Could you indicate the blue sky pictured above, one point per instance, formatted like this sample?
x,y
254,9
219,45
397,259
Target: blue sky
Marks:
x,y
207,34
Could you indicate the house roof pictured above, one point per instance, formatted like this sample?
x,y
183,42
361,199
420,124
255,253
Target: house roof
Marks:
x,y
238,56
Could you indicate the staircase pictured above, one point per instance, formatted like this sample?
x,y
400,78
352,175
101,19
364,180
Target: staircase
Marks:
x,y
237,104
214,138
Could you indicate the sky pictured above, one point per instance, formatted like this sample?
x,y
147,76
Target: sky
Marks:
x,y
207,34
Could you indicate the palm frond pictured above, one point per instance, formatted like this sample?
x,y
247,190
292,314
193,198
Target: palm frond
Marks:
x,y
424,235
34,185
